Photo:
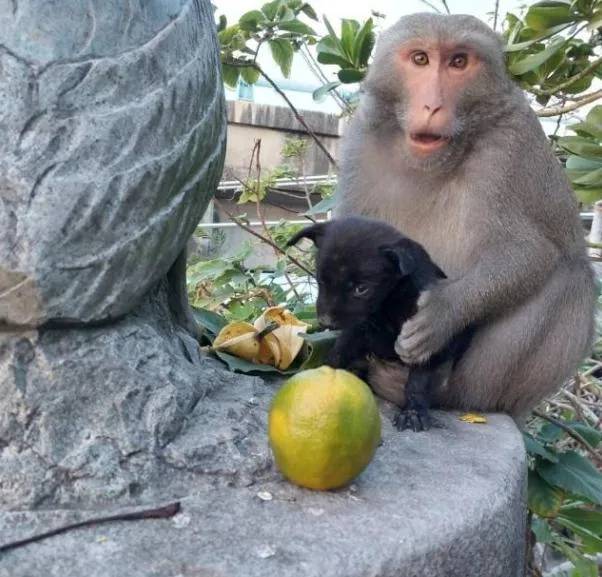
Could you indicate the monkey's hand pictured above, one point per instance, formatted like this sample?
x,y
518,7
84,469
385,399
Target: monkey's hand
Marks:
x,y
430,329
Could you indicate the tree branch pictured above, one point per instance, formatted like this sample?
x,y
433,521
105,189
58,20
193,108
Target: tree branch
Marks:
x,y
578,103
294,110
550,91
595,455
242,225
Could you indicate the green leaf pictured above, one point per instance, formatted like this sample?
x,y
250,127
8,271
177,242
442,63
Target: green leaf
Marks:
x,y
282,53
250,74
594,542
271,9
209,320
534,447
239,365
574,474
333,35
587,523
320,93
543,499
297,26
309,12
250,21
534,61
537,38
222,23
365,43
550,433
230,75
542,530
324,205
591,435
588,195
581,147
350,75
349,29
329,52
545,15
593,178
317,347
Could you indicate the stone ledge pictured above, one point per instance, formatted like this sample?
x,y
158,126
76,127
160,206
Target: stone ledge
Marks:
x,y
446,503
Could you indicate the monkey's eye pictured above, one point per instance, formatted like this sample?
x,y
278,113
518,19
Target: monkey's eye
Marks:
x,y
459,61
420,58
360,290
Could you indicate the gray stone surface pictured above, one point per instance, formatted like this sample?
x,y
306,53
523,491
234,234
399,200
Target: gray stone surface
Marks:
x,y
446,503
113,130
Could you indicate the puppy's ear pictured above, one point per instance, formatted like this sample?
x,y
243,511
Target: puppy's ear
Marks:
x,y
315,233
411,259
403,255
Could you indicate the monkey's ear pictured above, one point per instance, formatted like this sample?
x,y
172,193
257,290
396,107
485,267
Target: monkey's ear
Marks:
x,y
403,255
315,233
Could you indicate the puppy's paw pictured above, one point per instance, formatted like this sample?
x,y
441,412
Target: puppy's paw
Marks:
x,y
412,418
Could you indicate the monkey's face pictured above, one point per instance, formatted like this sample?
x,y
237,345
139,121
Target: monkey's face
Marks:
x,y
437,78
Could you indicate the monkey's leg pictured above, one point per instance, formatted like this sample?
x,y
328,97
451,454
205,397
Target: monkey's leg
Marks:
x,y
515,361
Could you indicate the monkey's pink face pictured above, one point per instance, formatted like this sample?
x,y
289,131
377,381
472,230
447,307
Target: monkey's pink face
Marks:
x,y
434,77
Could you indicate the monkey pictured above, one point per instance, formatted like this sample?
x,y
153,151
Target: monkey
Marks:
x,y
369,279
445,148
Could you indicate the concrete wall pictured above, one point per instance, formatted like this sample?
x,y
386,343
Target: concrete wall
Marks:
x,y
248,122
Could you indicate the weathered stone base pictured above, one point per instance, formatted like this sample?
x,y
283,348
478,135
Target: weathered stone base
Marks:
x,y
99,419
122,414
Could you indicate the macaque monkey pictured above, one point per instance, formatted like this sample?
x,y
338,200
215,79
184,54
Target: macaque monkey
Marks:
x,y
445,147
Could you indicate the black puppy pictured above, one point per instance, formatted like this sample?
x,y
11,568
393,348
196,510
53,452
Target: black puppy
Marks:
x,y
369,279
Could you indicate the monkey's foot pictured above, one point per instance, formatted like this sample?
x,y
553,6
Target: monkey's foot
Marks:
x,y
412,418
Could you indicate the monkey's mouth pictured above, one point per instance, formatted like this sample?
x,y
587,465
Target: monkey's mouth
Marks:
x,y
428,141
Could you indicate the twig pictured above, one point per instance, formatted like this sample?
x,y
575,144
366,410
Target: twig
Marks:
x,y
163,512
496,14
242,225
294,110
570,432
578,103
264,226
569,82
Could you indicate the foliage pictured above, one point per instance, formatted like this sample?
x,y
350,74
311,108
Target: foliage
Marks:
x,y
565,487
350,52
276,24
584,163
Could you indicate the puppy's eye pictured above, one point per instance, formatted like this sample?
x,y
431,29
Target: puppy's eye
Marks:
x,y
360,290
420,58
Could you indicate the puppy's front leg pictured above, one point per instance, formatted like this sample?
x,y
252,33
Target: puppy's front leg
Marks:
x,y
415,414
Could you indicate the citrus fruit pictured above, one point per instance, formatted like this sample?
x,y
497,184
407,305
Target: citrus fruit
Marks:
x,y
324,427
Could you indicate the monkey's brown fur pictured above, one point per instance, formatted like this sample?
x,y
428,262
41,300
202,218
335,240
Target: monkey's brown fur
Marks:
x,y
492,207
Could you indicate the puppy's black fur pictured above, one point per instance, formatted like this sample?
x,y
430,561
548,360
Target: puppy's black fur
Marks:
x,y
369,279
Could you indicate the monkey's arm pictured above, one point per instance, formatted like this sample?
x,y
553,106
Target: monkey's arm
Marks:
x,y
513,253
504,274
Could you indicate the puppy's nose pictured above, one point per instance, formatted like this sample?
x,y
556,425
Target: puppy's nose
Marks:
x,y
326,321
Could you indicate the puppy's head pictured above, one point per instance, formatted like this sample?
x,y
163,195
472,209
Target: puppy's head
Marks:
x,y
358,263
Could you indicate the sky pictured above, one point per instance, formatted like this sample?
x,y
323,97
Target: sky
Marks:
x,y
334,10
393,9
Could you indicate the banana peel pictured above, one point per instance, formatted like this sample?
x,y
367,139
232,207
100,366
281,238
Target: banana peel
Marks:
x,y
278,348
